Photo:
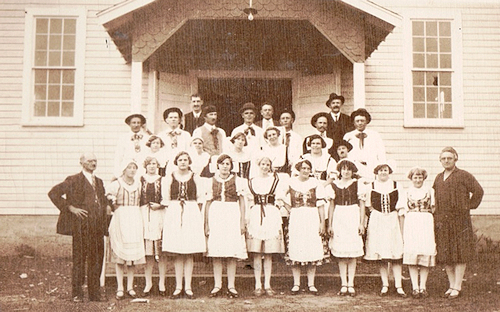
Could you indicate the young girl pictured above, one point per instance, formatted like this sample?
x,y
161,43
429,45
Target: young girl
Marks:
x,y
153,214
183,234
225,224
306,226
384,239
347,224
419,245
264,233
126,228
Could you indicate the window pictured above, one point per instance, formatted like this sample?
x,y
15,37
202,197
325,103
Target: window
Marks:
x,y
433,75
53,71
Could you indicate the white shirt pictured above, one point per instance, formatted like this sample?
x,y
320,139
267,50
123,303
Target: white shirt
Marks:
x,y
183,141
373,150
129,146
254,142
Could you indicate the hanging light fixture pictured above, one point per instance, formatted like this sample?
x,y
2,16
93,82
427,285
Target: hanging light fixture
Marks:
x,y
250,11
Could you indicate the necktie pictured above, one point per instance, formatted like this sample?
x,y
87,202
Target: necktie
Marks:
x,y
93,182
361,136
287,139
249,130
214,133
136,138
173,136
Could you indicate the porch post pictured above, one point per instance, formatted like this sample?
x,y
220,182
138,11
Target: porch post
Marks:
x,y
136,87
359,85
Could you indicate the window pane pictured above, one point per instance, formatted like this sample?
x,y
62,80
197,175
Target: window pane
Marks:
x,y
53,109
67,109
69,59
431,45
40,58
431,28
69,42
447,112
39,109
68,92
55,42
41,92
40,76
432,60
42,25
41,42
418,60
419,110
70,26
432,111
55,76
55,26
55,58
432,94
447,94
418,78
418,28
445,29
418,45
445,61
444,45
68,76
445,79
54,92
418,94
431,79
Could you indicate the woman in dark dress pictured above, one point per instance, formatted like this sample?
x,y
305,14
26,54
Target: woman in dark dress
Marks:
x,y
456,191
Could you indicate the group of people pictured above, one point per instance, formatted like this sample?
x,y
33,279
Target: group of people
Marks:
x,y
263,191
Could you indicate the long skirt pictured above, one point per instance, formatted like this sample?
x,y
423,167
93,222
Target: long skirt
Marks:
x,y
346,241
454,237
126,236
183,230
305,245
383,238
419,246
264,232
225,238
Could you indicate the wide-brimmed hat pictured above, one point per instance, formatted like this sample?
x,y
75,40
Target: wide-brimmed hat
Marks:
x,y
391,163
315,117
248,106
334,96
129,118
361,112
344,143
172,110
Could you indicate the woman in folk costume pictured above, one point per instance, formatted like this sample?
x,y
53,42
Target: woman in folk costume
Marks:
x,y
225,223
153,214
240,155
183,234
126,228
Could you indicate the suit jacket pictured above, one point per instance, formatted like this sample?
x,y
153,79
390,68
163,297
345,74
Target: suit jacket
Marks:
x,y
337,130
190,123
276,123
76,190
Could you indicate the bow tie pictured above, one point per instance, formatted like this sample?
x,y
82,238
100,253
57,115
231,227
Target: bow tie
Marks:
x,y
249,130
361,136
174,132
136,137
214,131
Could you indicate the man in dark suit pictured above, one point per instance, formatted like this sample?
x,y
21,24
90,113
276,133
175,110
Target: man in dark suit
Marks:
x,y
338,123
194,119
83,206
267,111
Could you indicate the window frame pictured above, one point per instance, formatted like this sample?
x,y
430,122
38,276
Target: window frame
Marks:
x,y
457,120
28,118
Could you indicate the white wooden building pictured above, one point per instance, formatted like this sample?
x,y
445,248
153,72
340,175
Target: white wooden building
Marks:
x,y
72,70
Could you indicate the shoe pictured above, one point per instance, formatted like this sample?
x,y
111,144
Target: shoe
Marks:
x,y
270,292
189,294
77,299
384,291
120,295
313,290
146,293
401,293
131,293
177,293
454,294
215,292
295,289
343,291
423,293
351,291
447,293
258,292
232,293
162,293
415,294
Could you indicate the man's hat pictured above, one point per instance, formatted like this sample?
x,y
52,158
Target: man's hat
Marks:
x,y
129,118
316,116
248,106
172,110
361,112
332,97
344,143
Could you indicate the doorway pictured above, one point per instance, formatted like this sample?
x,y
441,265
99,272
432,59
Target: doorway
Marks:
x,y
229,94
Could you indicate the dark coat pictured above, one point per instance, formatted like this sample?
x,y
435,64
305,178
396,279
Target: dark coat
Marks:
x,y
337,130
76,190
190,123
